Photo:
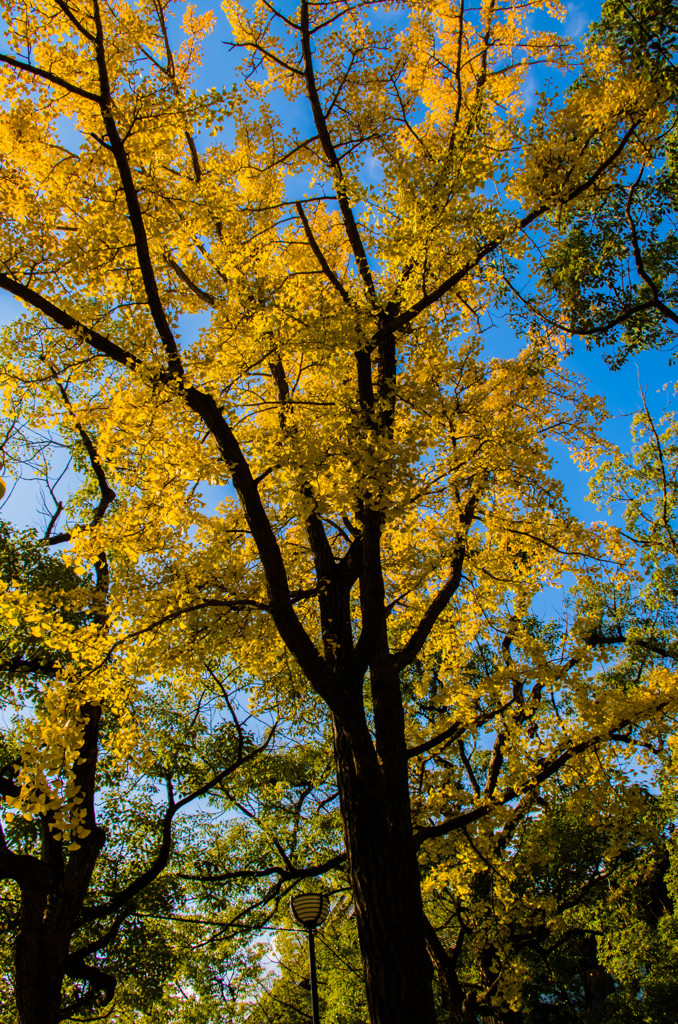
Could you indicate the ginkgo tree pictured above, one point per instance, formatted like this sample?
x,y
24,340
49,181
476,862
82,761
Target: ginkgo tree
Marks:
x,y
281,290
566,906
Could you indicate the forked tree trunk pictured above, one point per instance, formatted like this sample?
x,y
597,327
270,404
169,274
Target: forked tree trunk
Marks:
x,y
384,875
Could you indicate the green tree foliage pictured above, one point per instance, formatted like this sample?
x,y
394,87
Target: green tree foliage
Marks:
x,y
611,274
87,893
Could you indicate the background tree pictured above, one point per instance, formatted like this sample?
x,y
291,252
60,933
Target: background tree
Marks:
x,y
84,863
610,273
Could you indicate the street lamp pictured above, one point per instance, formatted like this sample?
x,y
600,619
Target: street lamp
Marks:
x,y
310,909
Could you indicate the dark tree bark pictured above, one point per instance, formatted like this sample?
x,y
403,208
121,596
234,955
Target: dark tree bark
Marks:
x,y
38,961
53,890
384,875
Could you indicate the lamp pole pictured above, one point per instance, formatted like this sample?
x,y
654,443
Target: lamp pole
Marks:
x,y
310,909
314,979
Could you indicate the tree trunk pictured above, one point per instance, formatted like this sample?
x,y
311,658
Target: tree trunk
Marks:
x,y
384,874
53,889
40,958
50,903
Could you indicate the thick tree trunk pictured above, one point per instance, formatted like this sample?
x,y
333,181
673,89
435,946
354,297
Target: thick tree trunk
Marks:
x,y
384,875
40,957
46,922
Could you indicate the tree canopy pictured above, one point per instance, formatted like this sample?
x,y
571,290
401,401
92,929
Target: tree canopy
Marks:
x,y
254,320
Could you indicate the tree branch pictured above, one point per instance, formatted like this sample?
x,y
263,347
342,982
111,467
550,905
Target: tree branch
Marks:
x,y
49,76
319,255
59,316
350,225
409,652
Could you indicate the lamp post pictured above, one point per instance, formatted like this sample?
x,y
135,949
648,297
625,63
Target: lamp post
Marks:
x,y
310,909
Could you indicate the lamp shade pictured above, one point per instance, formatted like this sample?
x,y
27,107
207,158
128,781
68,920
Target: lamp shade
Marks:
x,y
310,908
